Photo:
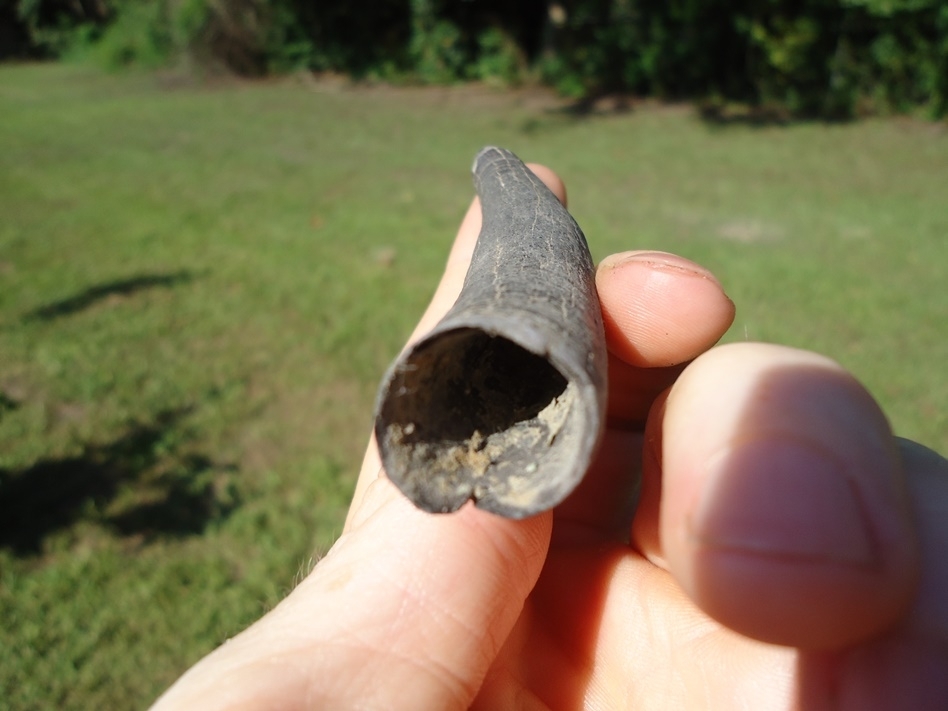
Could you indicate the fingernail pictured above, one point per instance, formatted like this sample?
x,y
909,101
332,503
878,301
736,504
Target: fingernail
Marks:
x,y
784,499
664,261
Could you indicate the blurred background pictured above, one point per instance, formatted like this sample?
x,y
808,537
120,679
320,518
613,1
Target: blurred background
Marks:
x,y
220,220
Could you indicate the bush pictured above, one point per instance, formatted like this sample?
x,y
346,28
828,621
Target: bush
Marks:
x,y
832,58
499,59
49,28
141,34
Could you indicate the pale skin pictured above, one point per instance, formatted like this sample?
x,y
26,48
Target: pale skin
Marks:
x,y
787,551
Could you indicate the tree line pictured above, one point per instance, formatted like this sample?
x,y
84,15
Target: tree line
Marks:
x,y
829,58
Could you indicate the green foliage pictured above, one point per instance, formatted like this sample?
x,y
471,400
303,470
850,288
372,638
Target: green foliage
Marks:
x,y
499,59
141,34
52,27
559,74
436,49
359,39
288,47
790,58
448,46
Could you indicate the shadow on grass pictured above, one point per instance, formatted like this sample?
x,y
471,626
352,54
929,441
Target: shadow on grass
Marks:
x,y
140,484
762,115
602,103
755,116
711,112
7,403
121,287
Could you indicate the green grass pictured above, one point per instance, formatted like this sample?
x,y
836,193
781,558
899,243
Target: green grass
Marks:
x,y
197,299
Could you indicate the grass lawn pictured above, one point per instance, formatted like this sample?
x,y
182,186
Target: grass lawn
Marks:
x,y
201,285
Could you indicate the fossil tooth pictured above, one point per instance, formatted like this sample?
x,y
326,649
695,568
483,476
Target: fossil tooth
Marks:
x,y
503,402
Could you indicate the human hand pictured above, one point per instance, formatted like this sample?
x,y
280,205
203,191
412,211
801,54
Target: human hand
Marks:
x,y
787,552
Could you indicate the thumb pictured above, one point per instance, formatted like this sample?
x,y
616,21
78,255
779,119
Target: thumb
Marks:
x,y
784,507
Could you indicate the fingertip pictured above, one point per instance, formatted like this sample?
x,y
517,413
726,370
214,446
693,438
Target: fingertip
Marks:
x,y
784,508
660,309
550,179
